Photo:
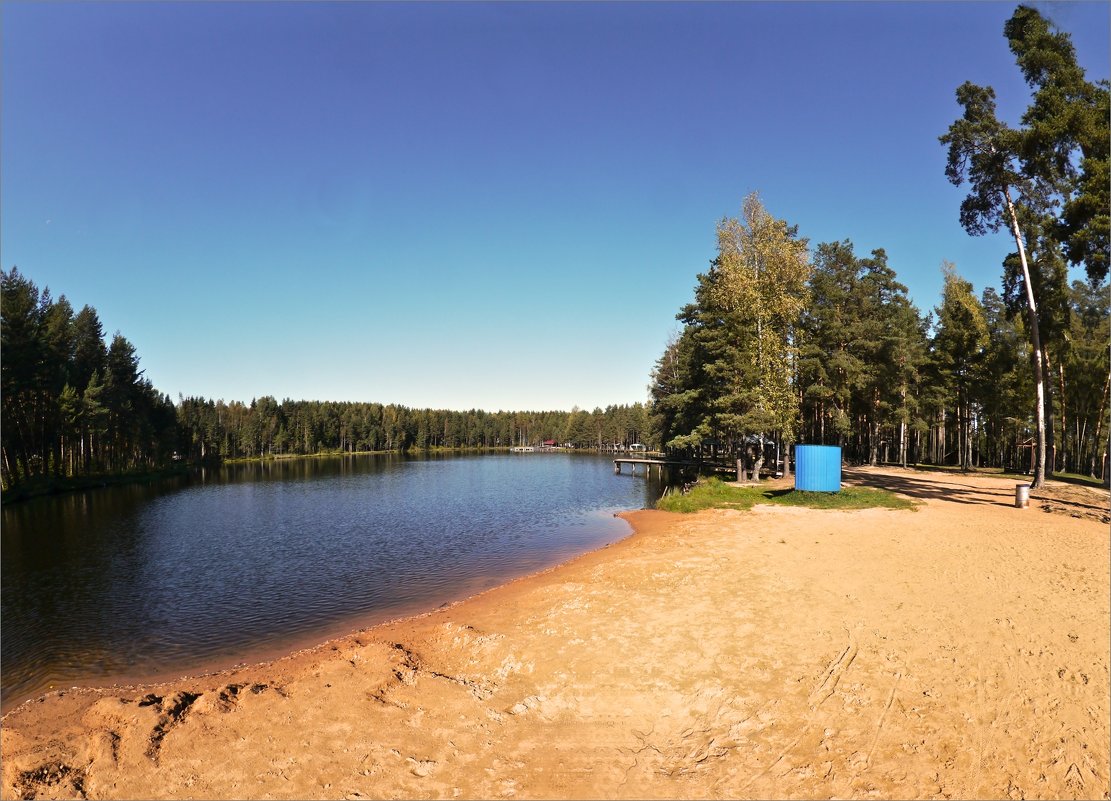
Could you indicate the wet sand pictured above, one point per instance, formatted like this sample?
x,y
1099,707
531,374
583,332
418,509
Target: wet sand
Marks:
x,y
957,650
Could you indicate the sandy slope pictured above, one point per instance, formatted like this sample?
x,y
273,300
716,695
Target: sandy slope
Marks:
x,y
959,650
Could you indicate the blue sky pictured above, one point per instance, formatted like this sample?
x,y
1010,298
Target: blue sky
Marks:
x,y
495,206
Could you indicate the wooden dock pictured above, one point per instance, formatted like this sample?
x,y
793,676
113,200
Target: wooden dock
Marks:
x,y
649,464
662,463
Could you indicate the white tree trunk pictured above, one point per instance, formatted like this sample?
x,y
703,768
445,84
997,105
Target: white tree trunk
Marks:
x,y
759,460
903,431
1036,341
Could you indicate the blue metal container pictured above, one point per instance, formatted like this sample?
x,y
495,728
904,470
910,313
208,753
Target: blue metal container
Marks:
x,y
818,468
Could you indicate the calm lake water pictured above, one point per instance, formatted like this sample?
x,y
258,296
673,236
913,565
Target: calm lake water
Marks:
x,y
133,582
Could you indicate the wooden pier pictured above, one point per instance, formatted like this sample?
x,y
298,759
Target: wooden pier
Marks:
x,y
662,463
649,463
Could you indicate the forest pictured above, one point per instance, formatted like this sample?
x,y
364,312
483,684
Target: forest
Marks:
x,y
836,353
75,405
72,405
783,343
267,428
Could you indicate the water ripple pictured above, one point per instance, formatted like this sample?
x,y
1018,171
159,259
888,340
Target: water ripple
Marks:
x,y
127,581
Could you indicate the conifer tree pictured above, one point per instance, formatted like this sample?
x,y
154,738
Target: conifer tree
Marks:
x,y
1019,178
727,380
960,344
1066,138
985,152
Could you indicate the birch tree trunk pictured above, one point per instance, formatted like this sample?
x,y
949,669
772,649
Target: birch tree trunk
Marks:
x,y
1099,426
1063,439
903,430
1036,341
759,462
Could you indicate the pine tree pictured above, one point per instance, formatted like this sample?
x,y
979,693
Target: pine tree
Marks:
x,y
960,345
1067,138
985,152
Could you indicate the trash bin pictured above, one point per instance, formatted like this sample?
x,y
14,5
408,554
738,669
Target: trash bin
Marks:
x,y
1022,496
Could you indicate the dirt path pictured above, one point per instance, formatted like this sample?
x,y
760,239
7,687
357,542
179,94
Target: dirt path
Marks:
x,y
959,650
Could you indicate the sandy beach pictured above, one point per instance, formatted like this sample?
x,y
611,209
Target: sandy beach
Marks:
x,y
959,650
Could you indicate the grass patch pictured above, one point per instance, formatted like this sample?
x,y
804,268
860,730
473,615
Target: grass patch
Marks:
x,y
713,493
847,498
1076,478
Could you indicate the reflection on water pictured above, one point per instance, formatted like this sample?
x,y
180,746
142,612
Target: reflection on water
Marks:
x,y
146,579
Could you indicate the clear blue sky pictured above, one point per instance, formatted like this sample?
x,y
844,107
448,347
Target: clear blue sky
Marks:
x,y
498,206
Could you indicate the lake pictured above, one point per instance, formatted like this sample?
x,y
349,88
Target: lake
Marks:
x,y
248,561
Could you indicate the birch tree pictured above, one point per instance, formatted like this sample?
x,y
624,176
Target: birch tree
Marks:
x,y
737,350
1049,182
985,152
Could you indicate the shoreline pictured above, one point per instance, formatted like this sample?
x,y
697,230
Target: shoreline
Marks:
x,y
960,649
47,488
265,653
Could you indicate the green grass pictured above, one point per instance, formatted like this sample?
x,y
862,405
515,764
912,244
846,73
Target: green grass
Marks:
x,y
1077,478
713,493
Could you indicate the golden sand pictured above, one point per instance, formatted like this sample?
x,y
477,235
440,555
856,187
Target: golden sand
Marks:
x,y
957,650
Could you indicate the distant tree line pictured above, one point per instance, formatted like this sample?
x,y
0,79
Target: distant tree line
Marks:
x,y
74,405
265,427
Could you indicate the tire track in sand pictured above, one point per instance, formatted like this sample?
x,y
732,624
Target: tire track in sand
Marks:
x,y
831,676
